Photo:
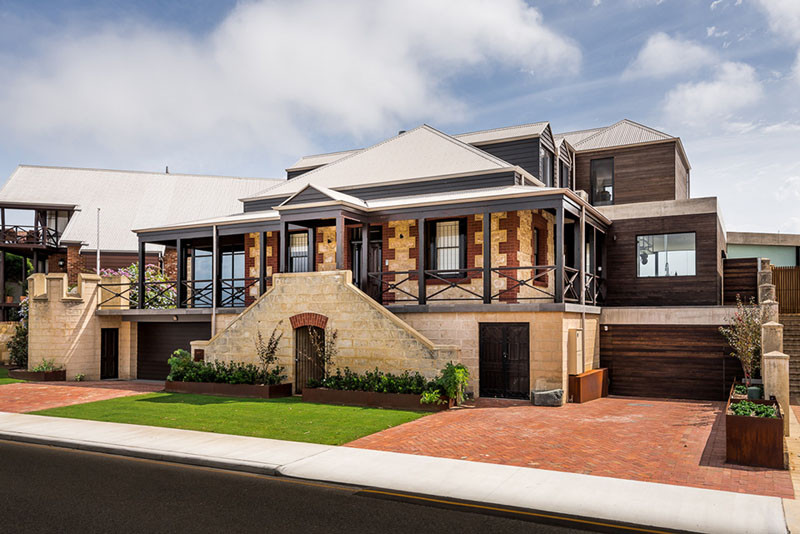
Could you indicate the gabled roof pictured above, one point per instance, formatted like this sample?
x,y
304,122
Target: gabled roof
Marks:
x,y
317,160
625,132
127,199
313,194
507,133
578,135
419,153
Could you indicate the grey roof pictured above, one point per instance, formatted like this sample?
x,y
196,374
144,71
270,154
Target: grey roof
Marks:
x,y
625,132
503,134
308,162
576,136
419,153
127,199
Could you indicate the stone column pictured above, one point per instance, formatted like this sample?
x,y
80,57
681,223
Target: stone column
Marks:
x,y
776,382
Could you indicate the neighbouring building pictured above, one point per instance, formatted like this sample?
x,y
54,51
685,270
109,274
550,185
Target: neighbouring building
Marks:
x,y
527,255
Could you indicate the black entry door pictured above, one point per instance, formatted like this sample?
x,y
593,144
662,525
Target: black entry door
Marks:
x,y
374,260
307,363
504,354
109,353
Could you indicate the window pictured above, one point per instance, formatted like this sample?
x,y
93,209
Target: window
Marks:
x,y
602,175
448,246
535,246
563,179
547,167
665,255
298,252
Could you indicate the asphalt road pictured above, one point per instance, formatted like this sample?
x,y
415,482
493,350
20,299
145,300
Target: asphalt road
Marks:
x,y
49,489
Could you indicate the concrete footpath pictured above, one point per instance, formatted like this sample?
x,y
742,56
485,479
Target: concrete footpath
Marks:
x,y
640,503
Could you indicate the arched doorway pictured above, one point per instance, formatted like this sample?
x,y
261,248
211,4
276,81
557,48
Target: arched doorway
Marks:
x,y
307,361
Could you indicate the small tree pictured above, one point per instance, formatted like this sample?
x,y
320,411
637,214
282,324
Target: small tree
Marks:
x,y
743,334
325,347
18,344
267,351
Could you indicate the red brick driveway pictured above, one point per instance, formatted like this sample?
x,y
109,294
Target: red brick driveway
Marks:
x,y
23,397
672,442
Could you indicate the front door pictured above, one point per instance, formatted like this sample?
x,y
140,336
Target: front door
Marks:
x,y
307,363
374,259
504,360
109,353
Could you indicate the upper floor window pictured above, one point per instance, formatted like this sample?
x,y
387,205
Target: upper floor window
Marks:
x,y
602,175
448,246
535,246
298,252
665,255
563,178
547,167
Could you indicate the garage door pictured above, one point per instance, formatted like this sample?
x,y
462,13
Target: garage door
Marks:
x,y
157,341
668,361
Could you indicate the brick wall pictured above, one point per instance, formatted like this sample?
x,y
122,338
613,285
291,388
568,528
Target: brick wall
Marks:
x,y
75,263
171,263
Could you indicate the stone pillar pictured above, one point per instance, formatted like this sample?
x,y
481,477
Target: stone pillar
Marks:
x,y
771,337
776,382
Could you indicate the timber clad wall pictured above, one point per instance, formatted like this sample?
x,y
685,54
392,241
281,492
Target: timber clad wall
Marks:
x,y
740,278
624,288
641,174
524,153
672,361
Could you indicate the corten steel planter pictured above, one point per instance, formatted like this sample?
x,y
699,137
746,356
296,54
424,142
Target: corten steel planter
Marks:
x,y
588,386
256,391
38,376
371,399
754,441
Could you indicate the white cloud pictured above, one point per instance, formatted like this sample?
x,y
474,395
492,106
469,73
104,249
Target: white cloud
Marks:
x,y
707,103
790,187
268,78
596,3
712,31
783,16
663,56
715,4
796,69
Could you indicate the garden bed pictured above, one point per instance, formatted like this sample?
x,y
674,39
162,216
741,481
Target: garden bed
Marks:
x,y
372,399
754,441
257,391
39,376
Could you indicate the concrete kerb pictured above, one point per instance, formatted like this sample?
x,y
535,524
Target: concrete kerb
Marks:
x,y
568,494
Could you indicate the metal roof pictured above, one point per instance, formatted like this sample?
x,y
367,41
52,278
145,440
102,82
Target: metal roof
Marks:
x,y
419,153
127,199
625,132
577,135
501,134
308,162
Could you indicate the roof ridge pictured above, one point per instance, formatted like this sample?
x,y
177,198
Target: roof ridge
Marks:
x,y
330,153
500,128
581,131
640,125
477,151
67,168
616,124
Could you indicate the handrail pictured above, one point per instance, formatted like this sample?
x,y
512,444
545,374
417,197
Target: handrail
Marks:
x,y
29,235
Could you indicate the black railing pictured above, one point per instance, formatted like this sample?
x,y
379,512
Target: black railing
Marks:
x,y
233,292
29,235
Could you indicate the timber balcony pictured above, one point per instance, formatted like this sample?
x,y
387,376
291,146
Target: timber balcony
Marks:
x,y
28,236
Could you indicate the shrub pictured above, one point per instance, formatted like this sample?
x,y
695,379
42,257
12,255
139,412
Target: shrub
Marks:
x,y
749,408
183,369
18,344
79,377
743,334
433,396
267,352
160,295
454,381
46,366
325,347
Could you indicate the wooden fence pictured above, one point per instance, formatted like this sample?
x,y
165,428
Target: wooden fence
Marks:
x,y
787,288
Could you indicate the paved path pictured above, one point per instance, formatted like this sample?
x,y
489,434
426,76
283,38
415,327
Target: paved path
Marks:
x,y
671,442
603,498
21,397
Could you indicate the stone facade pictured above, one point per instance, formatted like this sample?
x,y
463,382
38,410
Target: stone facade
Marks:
x,y
369,335
64,327
548,340
326,249
7,330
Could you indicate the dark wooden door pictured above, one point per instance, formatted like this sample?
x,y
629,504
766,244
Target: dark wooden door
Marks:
x,y
504,354
109,353
374,261
307,363
157,341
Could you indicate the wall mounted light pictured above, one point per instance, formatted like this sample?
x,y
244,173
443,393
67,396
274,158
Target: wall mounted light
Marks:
x,y
61,263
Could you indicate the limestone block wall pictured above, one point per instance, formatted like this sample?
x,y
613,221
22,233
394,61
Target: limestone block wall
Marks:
x,y
7,329
65,329
326,248
369,335
548,340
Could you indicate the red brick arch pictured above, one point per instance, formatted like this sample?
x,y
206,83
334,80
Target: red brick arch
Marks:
x,y
308,319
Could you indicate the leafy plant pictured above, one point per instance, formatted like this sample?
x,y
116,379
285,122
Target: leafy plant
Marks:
x,y
376,381
267,352
46,366
160,293
740,389
79,377
743,334
325,346
18,344
433,396
454,381
184,369
751,409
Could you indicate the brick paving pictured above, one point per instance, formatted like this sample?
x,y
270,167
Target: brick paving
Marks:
x,y
24,397
652,440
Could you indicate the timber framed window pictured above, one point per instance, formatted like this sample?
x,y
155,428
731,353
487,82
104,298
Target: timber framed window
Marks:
x,y
298,253
602,176
448,246
665,255
547,167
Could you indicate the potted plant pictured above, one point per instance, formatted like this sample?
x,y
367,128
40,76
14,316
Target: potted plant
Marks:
x,y
753,432
743,334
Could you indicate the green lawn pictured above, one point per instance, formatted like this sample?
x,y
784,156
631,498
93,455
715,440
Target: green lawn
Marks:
x,y
4,377
287,418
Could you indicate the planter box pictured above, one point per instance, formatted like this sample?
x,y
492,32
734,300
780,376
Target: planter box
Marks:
x,y
38,376
588,386
754,441
256,391
395,401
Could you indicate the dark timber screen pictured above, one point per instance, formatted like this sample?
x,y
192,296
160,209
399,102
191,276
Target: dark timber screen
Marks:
x,y
787,288
504,353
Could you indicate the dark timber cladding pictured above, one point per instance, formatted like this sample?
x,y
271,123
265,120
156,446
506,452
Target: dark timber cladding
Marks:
x,y
740,278
443,185
641,174
668,361
157,342
524,152
624,288
263,204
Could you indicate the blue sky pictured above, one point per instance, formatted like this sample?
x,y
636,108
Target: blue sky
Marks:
x,y
245,88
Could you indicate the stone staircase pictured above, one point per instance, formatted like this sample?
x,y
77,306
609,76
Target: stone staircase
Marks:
x,y
791,346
